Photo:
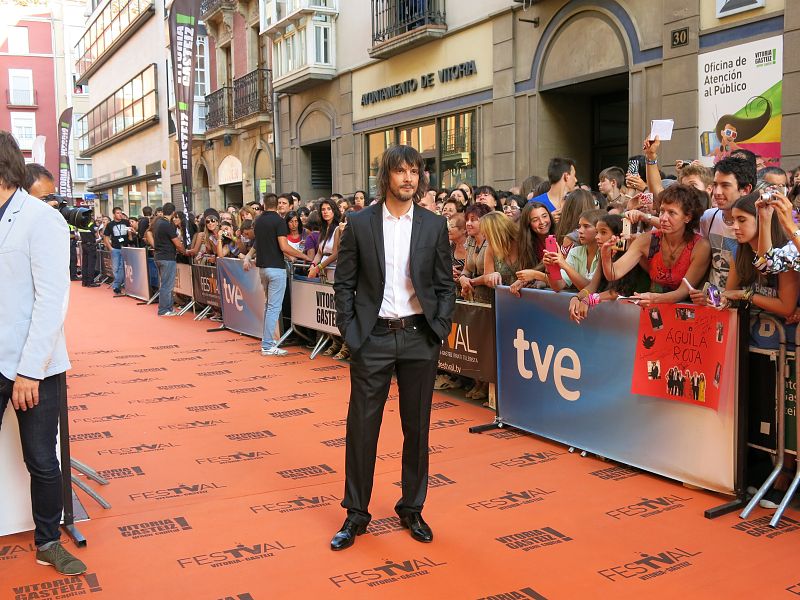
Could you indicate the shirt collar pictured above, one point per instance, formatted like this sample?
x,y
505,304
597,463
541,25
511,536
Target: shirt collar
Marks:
x,y
407,217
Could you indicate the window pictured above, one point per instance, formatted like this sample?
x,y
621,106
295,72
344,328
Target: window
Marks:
x,y
18,40
83,170
154,194
132,104
135,199
201,68
377,143
23,128
109,26
458,157
322,44
20,87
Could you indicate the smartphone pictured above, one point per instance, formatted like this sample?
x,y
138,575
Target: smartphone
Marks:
x,y
622,242
551,245
633,167
655,319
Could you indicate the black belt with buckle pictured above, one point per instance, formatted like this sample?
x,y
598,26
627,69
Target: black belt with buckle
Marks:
x,y
402,322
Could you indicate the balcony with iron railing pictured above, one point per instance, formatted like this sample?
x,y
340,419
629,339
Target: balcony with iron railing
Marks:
x,y
209,8
220,109
22,98
399,25
252,95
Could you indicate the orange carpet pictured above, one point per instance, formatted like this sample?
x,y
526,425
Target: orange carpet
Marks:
x,y
226,473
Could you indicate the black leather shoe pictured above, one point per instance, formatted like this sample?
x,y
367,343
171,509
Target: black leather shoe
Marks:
x,y
420,530
346,536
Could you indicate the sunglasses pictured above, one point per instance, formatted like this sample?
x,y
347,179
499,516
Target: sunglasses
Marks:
x,y
211,221
729,133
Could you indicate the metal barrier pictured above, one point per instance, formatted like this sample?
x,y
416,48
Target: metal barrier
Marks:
x,y
792,489
780,429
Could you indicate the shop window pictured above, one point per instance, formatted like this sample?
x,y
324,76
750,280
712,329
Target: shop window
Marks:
x,y
155,196
135,199
423,139
377,143
457,150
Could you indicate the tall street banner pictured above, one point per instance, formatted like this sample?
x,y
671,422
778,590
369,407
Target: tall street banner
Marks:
x,y
740,96
572,384
242,297
64,174
183,21
680,353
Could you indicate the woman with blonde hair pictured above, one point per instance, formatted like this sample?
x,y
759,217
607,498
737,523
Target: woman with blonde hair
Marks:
x,y
501,261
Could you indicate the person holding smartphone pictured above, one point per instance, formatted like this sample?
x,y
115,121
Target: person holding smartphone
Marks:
x,y
673,252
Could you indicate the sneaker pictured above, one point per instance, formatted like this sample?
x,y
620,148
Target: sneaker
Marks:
x,y
117,291
274,351
171,313
57,556
772,499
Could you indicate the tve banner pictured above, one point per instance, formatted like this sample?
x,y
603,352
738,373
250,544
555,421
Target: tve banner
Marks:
x,y
137,284
242,297
312,305
572,383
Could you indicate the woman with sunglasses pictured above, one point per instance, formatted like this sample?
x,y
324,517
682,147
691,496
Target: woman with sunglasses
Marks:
x,y
204,245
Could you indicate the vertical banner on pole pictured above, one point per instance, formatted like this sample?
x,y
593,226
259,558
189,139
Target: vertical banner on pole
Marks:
x,y
183,19
64,174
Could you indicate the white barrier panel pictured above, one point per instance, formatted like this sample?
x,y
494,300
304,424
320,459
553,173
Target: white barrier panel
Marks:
x,y
312,305
183,280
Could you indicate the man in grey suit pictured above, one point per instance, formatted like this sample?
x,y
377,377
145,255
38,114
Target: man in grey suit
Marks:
x,y
34,356
395,298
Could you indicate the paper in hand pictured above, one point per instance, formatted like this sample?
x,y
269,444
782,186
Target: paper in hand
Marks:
x,y
661,128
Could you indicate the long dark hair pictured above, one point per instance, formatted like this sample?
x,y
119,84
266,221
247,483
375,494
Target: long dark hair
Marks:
x,y
293,214
746,128
627,284
397,156
531,247
744,253
12,163
326,231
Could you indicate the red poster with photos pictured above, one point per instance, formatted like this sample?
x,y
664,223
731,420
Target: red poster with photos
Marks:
x,y
680,351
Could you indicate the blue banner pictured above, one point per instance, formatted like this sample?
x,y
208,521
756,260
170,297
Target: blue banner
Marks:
x,y
137,283
242,297
572,383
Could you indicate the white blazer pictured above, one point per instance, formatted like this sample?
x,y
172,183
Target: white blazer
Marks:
x,y
34,288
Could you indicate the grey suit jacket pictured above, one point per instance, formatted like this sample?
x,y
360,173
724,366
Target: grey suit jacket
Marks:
x,y
361,273
34,288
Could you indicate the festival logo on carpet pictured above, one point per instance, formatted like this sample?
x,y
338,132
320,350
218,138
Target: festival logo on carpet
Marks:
x,y
434,481
106,418
760,527
533,539
58,589
192,425
680,353
250,435
339,442
434,449
121,472
228,557
648,566
96,435
616,473
390,572
511,499
287,414
384,526
155,528
648,507
181,491
520,594
236,457
138,449
307,472
528,459
207,407
297,503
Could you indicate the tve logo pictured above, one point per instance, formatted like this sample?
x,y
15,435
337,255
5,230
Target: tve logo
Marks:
x,y
233,295
544,365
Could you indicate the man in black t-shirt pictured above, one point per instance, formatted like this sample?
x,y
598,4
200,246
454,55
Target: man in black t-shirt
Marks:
x,y
269,248
166,243
115,237
144,225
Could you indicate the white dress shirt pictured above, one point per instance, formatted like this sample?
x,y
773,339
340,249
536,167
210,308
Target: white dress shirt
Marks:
x,y
399,297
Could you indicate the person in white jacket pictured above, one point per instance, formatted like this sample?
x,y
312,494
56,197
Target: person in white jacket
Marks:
x,y
33,360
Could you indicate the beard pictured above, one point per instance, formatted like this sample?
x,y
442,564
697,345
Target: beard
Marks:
x,y
403,194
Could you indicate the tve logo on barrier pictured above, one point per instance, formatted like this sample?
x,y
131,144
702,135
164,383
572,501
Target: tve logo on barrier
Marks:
x,y
233,295
544,364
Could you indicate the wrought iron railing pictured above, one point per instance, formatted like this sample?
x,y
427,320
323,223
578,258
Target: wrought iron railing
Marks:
x,y
210,6
219,108
252,94
391,18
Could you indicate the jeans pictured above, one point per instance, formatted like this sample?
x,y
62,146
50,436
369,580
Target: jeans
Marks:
x,y
38,427
274,282
166,279
118,268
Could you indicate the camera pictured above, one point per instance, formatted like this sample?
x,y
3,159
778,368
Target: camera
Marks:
x,y
80,218
767,193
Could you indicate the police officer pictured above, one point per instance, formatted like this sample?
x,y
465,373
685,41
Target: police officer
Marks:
x,y
88,255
